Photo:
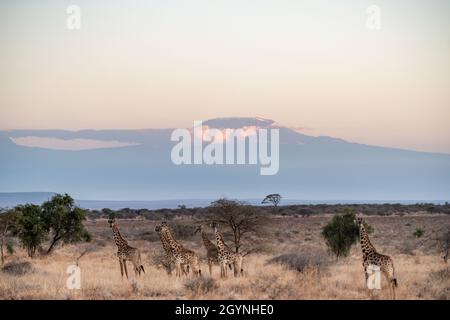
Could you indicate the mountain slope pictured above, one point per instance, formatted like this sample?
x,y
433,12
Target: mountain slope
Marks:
x,y
310,168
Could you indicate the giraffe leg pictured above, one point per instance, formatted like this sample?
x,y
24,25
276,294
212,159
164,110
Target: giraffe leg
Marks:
x,y
125,267
186,269
137,270
121,267
393,290
392,283
140,267
197,267
221,270
365,275
224,268
367,290
240,270
210,267
388,280
178,270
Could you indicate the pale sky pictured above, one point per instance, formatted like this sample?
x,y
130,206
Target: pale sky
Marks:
x,y
312,64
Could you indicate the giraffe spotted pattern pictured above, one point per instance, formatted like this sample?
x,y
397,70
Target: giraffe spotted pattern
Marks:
x,y
372,257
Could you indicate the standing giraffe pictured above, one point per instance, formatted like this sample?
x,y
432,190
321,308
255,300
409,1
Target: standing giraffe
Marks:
x,y
169,257
211,249
180,255
125,252
372,257
226,255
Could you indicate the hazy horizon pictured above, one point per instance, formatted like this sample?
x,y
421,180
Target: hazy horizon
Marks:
x,y
10,199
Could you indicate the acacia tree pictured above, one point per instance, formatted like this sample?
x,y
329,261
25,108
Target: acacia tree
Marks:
x,y
64,221
29,227
240,217
273,198
6,227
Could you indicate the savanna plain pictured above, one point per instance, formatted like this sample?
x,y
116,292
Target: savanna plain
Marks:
x,y
289,260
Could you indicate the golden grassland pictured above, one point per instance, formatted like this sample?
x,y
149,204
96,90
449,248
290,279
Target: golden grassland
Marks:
x,y
420,271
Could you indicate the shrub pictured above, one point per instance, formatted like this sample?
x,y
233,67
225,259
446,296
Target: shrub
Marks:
x,y
341,233
183,231
18,268
441,275
418,233
159,259
301,261
436,285
201,285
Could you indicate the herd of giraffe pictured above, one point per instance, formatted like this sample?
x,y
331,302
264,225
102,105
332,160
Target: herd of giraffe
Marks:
x,y
219,253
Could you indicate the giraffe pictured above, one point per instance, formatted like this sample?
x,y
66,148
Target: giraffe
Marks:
x,y
180,255
372,257
169,257
125,252
226,255
211,249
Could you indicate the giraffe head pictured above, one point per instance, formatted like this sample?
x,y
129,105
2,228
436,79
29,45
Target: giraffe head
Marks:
x,y
198,229
214,225
112,222
161,227
359,220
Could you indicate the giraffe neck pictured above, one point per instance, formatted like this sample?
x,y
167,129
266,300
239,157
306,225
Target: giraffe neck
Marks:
x,y
208,244
366,245
220,243
164,241
172,243
120,242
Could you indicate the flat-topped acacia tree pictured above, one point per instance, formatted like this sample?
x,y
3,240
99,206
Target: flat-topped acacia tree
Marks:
x,y
241,218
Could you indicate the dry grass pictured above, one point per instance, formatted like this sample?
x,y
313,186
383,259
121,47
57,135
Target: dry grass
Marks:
x,y
421,275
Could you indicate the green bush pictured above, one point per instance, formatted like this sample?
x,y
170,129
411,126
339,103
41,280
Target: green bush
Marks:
x,y
30,227
418,233
341,233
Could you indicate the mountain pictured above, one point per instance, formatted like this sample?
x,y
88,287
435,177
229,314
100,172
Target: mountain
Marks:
x,y
310,168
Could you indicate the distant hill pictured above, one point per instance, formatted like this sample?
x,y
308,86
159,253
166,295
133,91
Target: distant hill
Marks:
x,y
12,199
310,168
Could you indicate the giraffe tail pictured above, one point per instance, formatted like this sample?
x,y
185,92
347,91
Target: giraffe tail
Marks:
x,y
394,282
